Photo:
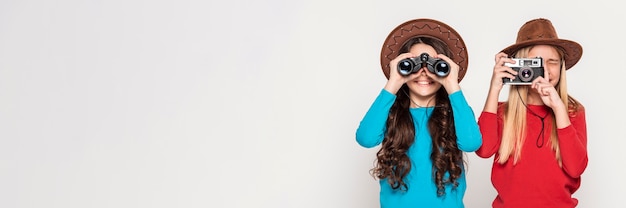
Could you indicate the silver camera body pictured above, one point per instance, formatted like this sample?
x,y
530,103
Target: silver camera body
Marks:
x,y
527,70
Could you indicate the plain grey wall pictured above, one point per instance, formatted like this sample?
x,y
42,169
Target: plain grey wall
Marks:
x,y
251,103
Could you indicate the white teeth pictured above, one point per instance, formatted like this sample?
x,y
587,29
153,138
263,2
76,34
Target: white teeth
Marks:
x,y
423,82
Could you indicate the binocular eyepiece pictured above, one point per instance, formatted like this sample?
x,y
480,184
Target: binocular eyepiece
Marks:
x,y
434,65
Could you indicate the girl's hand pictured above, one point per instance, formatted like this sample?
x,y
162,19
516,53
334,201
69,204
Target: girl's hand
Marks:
x,y
396,80
549,96
450,82
501,71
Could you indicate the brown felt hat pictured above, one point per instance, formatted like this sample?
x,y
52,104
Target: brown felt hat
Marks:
x,y
541,32
424,28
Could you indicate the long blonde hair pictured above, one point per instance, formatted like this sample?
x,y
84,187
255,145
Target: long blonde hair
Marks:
x,y
514,129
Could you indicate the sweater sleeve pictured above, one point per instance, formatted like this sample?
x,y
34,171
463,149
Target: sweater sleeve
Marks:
x,y
573,144
371,130
491,129
469,138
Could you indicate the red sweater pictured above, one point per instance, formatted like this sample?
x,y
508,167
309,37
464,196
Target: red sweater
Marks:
x,y
536,180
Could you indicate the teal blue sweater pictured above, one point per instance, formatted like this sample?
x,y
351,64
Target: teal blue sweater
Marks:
x,y
422,191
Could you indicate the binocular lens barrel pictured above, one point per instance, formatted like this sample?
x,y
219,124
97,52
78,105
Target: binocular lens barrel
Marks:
x,y
441,68
405,67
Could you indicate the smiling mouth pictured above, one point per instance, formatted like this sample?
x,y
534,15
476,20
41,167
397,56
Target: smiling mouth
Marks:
x,y
423,82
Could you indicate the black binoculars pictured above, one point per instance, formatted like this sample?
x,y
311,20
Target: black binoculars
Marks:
x,y
434,65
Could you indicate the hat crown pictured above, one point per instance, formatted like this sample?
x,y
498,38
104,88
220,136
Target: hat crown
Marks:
x,y
538,29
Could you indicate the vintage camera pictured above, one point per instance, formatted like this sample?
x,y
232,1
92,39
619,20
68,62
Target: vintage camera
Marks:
x,y
434,65
528,69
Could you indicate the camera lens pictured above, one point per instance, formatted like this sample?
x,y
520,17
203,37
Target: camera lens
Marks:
x,y
405,66
441,68
525,74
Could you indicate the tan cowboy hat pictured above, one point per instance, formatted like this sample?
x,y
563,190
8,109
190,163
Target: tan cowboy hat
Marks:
x,y
427,28
541,32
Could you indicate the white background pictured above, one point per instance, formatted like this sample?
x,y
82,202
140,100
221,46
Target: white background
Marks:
x,y
163,103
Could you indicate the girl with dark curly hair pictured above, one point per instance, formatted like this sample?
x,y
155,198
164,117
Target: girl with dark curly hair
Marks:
x,y
421,119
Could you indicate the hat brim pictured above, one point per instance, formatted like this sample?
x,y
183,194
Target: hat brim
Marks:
x,y
573,50
428,28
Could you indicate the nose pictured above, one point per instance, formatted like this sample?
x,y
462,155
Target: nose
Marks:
x,y
422,71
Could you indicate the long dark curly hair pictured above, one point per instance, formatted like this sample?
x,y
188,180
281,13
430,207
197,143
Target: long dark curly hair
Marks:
x,y
392,161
